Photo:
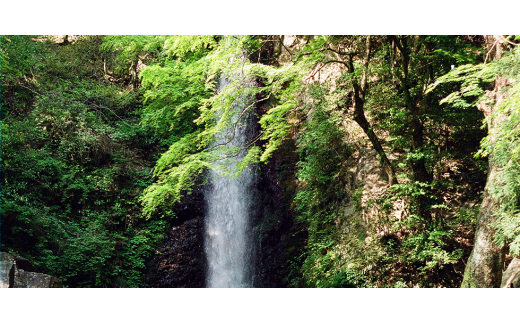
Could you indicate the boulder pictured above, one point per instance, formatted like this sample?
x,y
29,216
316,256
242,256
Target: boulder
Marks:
x,y
18,272
511,277
7,269
27,279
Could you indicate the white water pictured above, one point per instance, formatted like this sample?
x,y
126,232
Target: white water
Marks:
x,y
227,242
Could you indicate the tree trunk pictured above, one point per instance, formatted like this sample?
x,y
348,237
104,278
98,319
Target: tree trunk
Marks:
x,y
418,165
419,170
359,112
359,117
484,267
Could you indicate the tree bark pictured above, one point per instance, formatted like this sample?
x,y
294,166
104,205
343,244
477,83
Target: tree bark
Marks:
x,y
484,267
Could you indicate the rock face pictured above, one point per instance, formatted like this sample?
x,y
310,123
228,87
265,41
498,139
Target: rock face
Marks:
x,y
18,272
511,277
274,219
366,176
180,261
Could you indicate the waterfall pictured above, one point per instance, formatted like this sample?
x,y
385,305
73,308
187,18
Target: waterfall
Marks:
x,y
229,202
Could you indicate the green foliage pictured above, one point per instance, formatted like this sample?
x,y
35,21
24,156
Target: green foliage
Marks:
x,y
322,152
71,170
84,123
180,105
127,51
172,94
400,102
187,45
179,109
504,149
18,59
503,144
472,79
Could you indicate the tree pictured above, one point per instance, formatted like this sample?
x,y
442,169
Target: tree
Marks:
x,y
484,266
72,164
355,54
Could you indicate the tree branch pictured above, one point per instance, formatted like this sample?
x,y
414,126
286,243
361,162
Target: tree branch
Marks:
x,y
323,65
351,53
364,78
236,123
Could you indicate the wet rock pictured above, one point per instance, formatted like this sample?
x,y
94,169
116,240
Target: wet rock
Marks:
x,y
511,277
18,272
273,219
191,205
180,261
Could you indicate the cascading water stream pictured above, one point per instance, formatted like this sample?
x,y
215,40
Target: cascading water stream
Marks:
x,y
229,202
